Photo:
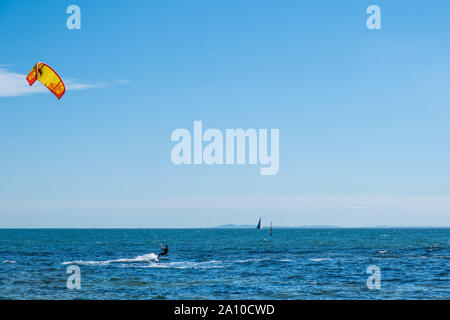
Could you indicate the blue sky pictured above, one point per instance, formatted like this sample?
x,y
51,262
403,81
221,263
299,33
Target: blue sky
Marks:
x,y
363,114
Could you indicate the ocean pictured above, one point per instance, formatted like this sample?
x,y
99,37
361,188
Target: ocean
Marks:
x,y
225,263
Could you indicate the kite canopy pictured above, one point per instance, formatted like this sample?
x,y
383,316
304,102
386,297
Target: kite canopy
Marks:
x,y
48,77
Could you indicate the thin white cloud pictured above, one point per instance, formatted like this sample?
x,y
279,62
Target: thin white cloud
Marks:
x,y
360,203
14,84
123,81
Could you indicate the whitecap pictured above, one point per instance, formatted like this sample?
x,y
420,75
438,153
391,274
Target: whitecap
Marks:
x,y
320,259
248,260
143,258
185,265
9,261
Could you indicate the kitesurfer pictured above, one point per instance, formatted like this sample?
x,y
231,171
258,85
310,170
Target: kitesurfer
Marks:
x,y
165,251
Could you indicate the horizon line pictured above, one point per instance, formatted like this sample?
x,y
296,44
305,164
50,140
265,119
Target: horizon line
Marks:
x,y
243,227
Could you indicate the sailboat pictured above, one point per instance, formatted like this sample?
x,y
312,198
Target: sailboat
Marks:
x,y
271,229
259,226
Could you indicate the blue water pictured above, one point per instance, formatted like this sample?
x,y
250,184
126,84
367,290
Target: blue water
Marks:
x,y
225,264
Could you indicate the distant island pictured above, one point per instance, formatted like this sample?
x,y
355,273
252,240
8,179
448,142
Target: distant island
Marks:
x,y
251,226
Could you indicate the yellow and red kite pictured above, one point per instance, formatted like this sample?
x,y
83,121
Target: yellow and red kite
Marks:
x,y
48,77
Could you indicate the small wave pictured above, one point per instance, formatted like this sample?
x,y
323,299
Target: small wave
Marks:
x,y
248,260
200,265
435,247
185,265
197,265
143,258
9,261
383,251
320,259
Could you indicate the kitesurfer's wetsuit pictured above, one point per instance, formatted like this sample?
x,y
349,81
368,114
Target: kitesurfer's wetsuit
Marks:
x,y
165,251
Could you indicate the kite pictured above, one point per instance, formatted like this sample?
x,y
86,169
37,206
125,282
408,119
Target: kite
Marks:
x,y
48,77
